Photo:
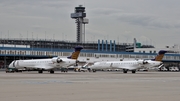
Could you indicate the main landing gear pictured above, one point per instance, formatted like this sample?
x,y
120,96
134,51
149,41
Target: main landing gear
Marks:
x,y
126,70
51,71
40,71
94,70
64,69
133,71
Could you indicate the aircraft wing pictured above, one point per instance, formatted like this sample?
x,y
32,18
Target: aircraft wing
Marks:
x,y
43,67
129,68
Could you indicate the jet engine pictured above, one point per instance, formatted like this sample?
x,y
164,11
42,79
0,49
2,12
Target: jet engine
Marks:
x,y
145,62
142,61
57,60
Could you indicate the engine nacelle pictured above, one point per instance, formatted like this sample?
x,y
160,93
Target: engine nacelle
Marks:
x,y
143,62
56,60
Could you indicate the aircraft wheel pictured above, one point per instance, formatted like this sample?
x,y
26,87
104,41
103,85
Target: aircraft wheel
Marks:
x,y
79,70
125,70
89,69
94,70
51,71
40,71
133,71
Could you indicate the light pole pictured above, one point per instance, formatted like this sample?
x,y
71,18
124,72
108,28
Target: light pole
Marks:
x,y
45,35
27,35
8,34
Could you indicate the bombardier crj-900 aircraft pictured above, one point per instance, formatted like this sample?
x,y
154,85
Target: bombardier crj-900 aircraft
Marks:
x,y
129,65
47,64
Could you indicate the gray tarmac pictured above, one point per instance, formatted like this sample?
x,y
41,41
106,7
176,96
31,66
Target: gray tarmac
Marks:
x,y
85,86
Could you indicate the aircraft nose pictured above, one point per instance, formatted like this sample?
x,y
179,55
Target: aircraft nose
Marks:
x,y
11,65
91,67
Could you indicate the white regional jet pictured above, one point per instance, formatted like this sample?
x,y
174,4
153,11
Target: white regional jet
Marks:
x,y
47,64
129,65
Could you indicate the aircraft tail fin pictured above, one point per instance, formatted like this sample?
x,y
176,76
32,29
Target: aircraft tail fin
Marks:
x,y
76,52
160,55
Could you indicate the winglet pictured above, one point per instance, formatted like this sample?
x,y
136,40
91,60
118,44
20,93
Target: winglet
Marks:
x,y
76,52
160,55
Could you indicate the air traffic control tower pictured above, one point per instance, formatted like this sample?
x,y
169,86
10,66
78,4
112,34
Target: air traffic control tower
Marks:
x,y
79,14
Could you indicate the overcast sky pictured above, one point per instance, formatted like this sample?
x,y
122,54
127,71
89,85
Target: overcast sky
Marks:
x,y
154,22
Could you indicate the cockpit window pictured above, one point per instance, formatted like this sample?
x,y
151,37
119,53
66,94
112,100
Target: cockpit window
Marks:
x,y
14,63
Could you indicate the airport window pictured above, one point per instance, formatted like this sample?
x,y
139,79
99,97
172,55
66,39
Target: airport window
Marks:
x,y
132,56
80,54
175,57
120,56
165,57
112,56
145,56
34,53
168,57
28,53
137,56
125,56
151,56
84,54
90,55
66,54
171,57
2,52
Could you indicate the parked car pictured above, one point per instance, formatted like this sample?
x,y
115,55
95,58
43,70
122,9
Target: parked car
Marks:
x,y
163,69
173,69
